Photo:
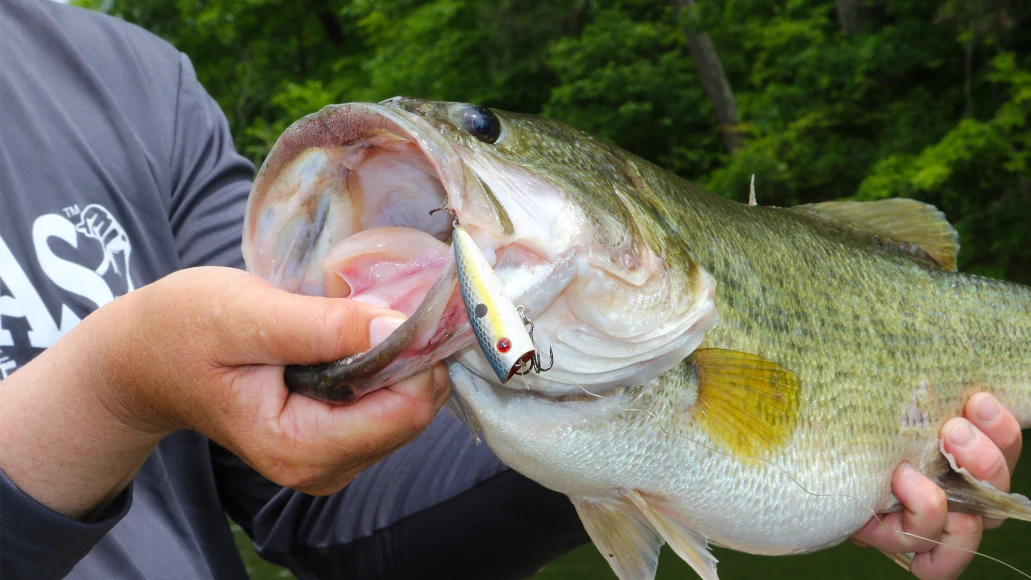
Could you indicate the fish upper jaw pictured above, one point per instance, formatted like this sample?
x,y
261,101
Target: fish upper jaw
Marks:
x,y
340,171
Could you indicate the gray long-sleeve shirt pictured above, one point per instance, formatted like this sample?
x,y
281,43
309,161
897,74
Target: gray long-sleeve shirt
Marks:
x,y
117,168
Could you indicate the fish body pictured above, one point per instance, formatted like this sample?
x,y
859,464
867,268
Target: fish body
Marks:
x,y
886,349
730,374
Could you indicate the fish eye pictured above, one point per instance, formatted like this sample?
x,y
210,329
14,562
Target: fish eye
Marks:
x,y
481,123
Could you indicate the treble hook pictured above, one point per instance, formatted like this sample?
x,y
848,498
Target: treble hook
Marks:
x,y
444,207
534,364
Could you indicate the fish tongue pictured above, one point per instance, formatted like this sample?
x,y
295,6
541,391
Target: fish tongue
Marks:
x,y
401,355
388,267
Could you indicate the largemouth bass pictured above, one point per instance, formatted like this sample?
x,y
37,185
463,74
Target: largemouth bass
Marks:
x,y
726,374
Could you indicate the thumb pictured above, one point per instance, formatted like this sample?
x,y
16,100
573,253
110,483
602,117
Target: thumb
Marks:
x,y
279,328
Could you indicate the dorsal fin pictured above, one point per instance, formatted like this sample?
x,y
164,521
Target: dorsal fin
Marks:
x,y
915,227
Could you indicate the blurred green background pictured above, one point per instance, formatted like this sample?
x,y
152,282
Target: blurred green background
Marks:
x,y
821,100
829,99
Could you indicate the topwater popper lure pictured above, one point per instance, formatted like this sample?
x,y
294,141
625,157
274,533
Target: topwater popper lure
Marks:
x,y
499,326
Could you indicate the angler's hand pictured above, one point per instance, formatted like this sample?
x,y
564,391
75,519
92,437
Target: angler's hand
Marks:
x,y
987,442
202,349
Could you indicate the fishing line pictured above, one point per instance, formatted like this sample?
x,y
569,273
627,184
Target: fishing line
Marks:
x,y
785,472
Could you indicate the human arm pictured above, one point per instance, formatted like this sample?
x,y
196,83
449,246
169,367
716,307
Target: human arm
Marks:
x,y
987,442
202,349
177,192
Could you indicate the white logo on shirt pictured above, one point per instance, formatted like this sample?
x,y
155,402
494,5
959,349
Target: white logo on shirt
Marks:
x,y
95,276
98,223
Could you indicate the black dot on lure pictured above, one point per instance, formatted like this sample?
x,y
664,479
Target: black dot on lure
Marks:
x,y
480,311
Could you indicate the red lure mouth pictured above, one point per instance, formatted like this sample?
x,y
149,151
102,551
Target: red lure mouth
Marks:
x,y
521,365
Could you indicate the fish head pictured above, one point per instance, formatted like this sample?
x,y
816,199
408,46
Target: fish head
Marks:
x,y
348,204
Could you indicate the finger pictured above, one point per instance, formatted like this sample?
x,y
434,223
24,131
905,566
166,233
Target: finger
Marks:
x,y
923,516
417,401
381,418
998,424
395,414
974,451
317,447
272,326
979,454
961,536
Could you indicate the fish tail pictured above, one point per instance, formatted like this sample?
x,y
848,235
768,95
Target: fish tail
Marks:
x,y
969,495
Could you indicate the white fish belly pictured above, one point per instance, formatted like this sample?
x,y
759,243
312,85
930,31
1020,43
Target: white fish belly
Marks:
x,y
594,448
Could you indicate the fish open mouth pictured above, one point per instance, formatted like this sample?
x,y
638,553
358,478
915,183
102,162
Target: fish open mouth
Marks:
x,y
346,206
353,188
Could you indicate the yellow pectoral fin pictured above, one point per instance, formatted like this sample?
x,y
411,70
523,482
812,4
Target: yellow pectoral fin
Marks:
x,y
745,402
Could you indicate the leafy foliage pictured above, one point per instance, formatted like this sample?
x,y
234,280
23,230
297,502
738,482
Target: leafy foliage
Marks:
x,y
925,99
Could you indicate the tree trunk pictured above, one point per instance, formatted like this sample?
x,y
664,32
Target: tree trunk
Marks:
x,y
714,80
329,22
849,16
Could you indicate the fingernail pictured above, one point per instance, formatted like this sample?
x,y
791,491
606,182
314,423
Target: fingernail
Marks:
x,y
909,473
382,327
962,434
987,409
